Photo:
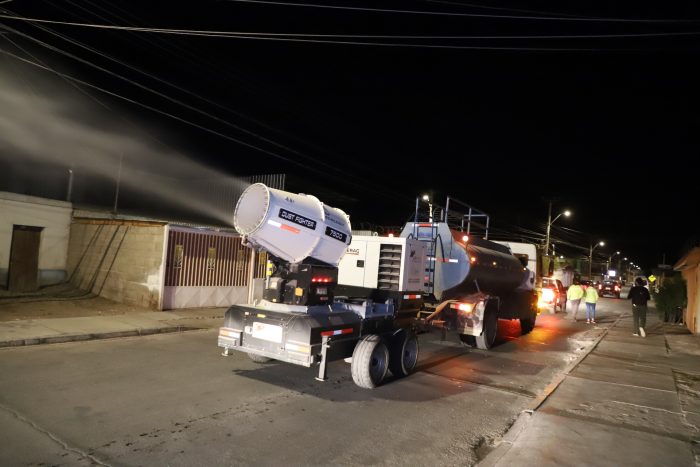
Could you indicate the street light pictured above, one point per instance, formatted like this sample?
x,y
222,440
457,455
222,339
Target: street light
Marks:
x,y
551,221
590,256
610,260
426,198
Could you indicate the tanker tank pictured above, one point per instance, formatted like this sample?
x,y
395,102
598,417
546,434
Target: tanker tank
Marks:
x,y
291,226
466,265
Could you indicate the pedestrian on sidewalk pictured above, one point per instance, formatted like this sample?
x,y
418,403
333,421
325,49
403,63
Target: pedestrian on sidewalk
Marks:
x,y
574,295
639,296
591,298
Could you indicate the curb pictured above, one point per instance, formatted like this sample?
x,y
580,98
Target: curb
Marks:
x,y
94,336
503,445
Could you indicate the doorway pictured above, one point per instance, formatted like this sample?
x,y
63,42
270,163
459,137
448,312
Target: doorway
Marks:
x,y
24,259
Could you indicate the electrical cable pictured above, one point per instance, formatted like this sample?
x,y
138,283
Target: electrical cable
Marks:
x,y
468,15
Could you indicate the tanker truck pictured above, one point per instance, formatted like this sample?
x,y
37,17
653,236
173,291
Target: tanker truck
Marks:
x,y
305,317
331,296
469,282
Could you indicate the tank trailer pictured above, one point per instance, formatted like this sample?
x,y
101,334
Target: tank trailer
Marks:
x,y
331,296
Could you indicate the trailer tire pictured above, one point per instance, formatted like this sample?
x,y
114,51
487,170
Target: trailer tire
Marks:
x,y
259,358
370,362
488,334
403,353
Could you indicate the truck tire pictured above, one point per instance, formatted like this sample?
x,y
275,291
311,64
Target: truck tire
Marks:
x,y
403,353
259,358
468,340
370,362
488,334
528,324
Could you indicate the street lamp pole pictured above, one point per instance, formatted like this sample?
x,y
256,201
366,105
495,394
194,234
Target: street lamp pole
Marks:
x,y
551,221
590,256
610,259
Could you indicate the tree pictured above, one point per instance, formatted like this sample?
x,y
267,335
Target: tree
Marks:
x,y
671,296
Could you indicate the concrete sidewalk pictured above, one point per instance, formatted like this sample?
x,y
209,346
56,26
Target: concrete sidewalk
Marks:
x,y
630,401
55,330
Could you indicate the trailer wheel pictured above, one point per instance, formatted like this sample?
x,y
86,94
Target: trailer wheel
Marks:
x,y
488,334
468,340
403,353
259,358
370,362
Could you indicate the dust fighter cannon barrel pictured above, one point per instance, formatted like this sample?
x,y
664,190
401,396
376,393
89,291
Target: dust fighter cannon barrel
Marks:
x,y
291,226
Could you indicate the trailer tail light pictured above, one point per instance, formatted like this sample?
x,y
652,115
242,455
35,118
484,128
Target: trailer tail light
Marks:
x,y
320,279
464,307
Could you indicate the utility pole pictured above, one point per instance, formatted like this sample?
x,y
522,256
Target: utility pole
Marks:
x,y
69,191
119,180
590,256
549,227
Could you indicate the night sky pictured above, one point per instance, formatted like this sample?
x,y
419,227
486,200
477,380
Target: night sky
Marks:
x,y
604,126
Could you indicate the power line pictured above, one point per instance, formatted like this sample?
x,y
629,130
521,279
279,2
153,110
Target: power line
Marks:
x,y
293,36
468,15
519,10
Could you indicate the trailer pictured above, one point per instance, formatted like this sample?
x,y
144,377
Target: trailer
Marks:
x,y
305,316
331,296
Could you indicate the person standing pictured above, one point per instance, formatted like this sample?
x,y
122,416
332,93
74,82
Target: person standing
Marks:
x,y
591,298
639,296
574,295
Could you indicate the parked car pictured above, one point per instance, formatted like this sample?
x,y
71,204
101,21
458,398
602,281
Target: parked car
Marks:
x,y
609,287
552,295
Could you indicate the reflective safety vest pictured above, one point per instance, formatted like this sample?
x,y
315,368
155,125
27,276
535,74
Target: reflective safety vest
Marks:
x,y
575,292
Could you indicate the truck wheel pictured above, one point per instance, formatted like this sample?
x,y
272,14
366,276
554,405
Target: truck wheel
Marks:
x,y
370,361
468,340
488,334
259,358
403,353
528,324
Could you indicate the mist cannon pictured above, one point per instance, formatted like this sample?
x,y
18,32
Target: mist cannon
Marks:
x,y
292,227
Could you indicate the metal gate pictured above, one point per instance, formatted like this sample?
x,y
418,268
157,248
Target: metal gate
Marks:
x,y
208,258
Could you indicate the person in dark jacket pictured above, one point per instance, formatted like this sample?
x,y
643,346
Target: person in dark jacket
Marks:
x,y
639,296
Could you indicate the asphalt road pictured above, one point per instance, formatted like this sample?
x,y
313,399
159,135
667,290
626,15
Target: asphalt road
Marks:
x,y
173,400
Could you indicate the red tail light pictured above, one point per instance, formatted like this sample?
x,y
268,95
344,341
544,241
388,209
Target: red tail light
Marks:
x,y
617,288
320,279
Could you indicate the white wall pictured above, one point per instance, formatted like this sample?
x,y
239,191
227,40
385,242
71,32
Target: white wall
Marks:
x,y
54,216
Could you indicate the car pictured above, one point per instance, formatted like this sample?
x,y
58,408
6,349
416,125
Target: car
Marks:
x,y
609,287
552,295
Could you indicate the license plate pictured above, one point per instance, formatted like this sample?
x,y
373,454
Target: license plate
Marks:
x,y
267,332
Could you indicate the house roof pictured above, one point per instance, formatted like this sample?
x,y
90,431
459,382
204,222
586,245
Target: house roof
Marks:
x,y
691,259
